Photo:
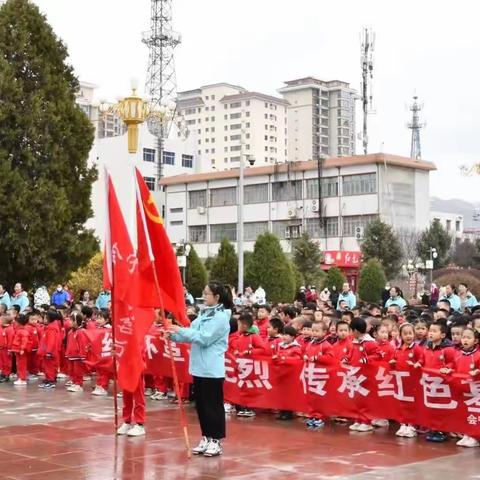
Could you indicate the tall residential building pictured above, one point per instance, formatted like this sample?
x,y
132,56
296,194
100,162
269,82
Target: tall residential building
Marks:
x,y
228,121
321,118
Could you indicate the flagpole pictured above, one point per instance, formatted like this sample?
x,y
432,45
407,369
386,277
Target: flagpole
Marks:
x,y
176,385
115,384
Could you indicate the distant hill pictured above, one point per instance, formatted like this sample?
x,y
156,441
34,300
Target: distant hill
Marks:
x,y
459,207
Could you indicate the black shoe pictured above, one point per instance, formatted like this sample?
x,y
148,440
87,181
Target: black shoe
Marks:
x,y
3,379
285,416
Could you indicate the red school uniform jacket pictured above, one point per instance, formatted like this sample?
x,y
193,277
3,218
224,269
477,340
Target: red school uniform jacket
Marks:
x,y
407,353
3,340
439,356
9,335
249,343
273,343
364,350
342,349
33,332
50,343
465,362
289,350
385,349
319,351
21,340
78,345
262,328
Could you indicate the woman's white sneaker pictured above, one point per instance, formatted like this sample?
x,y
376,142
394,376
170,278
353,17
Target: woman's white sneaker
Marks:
x,y
201,447
467,441
214,449
410,432
99,391
136,431
123,429
401,431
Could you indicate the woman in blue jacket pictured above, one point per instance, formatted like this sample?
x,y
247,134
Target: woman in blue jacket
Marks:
x,y
208,335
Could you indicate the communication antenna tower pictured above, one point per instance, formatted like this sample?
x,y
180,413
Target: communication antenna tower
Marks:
x,y
366,59
415,126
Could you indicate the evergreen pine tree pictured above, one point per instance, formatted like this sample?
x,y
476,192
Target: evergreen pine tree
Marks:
x,y
270,268
336,278
225,265
45,139
196,274
435,236
88,277
381,242
372,281
307,257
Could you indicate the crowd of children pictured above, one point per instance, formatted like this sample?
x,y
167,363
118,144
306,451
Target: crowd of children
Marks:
x,y
433,337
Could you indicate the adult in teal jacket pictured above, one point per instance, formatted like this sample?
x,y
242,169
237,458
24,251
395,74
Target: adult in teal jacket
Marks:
x,y
5,297
395,298
467,298
346,295
208,335
454,299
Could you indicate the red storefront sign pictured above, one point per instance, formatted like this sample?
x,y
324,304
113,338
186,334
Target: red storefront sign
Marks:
x,y
343,258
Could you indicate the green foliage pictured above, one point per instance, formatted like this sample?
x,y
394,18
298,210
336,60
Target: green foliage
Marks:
x,y
225,266
88,277
435,236
336,278
270,268
196,274
45,139
209,261
297,276
380,242
372,281
307,257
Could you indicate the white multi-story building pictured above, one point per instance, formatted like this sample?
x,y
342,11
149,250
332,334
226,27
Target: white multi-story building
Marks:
x,y
451,222
321,118
228,122
286,199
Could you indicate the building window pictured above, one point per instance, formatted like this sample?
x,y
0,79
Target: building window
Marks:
x,y
235,159
234,137
235,148
235,115
359,184
176,222
354,221
150,181
220,197
187,161
457,225
168,158
251,230
235,126
329,187
279,227
197,233
223,231
449,225
197,198
236,105
148,155
282,191
317,229
255,193
176,210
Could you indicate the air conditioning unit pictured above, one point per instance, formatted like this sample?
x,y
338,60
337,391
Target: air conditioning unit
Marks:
x,y
315,206
358,233
292,212
201,210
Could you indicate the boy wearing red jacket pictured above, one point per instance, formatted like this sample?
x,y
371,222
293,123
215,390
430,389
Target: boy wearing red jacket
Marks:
x,y
318,352
9,328
275,332
33,330
385,347
76,351
49,349
262,322
21,347
364,350
343,345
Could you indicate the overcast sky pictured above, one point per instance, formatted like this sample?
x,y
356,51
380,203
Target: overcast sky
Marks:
x,y
431,48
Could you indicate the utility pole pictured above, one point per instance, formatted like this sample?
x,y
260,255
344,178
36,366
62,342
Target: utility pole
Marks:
x,y
415,126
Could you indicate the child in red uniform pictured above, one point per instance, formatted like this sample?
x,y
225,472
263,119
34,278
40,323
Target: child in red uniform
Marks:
x,y
3,349
275,331
78,345
421,331
244,345
404,358
319,352
21,347
49,349
384,346
439,355
305,336
33,318
364,350
9,333
263,314
456,331
103,375
288,348
468,362
343,346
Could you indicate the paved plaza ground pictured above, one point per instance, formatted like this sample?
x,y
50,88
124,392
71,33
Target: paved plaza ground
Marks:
x,y
53,435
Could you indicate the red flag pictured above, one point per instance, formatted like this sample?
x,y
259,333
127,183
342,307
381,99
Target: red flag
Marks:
x,y
130,322
155,250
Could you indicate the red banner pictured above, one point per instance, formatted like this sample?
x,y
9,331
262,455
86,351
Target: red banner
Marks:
x,y
159,362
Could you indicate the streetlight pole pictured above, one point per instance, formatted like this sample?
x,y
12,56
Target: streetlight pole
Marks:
x,y
240,225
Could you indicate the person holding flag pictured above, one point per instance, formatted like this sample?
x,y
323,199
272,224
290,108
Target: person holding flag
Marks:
x,y
208,335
